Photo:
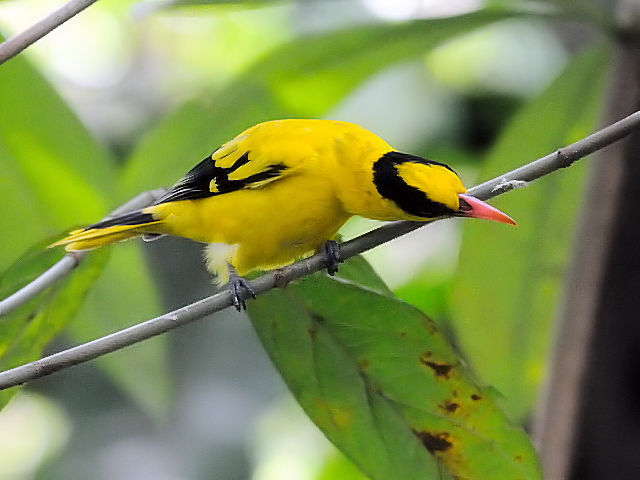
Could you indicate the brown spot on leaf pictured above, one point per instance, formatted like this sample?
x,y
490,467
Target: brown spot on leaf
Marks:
x,y
434,441
440,369
450,406
342,417
312,332
431,326
318,318
475,397
403,334
518,458
364,364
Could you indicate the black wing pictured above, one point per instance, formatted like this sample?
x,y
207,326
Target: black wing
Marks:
x,y
207,179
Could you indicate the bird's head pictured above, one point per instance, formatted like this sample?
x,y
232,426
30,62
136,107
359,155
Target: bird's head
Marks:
x,y
425,189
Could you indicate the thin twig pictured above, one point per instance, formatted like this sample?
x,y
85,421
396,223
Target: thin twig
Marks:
x,y
58,271
115,341
70,261
13,46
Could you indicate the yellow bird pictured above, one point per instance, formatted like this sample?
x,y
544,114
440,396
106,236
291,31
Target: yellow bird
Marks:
x,y
281,190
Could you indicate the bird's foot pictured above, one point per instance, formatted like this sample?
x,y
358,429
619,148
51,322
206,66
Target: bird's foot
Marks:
x,y
240,290
333,256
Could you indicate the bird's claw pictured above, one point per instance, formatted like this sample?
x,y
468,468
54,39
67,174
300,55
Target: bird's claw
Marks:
x,y
333,256
240,290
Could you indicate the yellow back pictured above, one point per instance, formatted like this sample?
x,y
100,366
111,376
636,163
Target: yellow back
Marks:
x,y
344,154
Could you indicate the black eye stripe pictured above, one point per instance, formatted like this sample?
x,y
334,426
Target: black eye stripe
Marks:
x,y
392,186
397,158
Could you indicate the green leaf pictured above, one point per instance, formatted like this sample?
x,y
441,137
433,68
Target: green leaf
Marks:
x,y
28,267
126,295
40,119
385,387
52,169
25,332
428,293
359,271
303,78
510,279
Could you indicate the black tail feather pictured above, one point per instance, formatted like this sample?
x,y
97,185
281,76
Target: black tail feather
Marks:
x,y
133,218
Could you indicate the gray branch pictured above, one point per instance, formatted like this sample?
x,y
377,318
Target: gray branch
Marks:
x,y
13,46
278,278
70,261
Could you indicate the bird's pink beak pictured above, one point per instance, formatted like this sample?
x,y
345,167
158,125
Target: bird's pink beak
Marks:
x,y
474,208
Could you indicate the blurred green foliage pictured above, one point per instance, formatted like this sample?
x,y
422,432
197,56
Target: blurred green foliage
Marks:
x,y
55,174
508,285
304,78
339,468
27,330
45,168
497,304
